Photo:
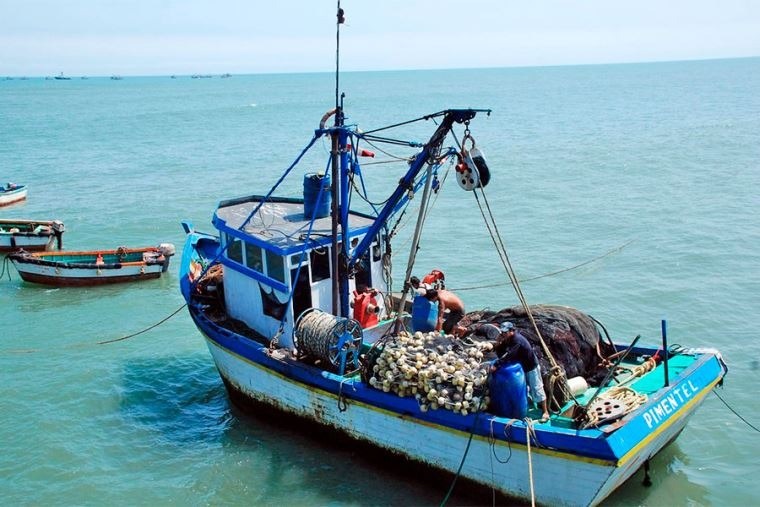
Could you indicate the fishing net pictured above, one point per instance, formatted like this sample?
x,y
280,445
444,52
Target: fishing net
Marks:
x,y
571,336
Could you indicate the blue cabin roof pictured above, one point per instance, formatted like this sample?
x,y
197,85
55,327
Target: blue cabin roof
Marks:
x,y
279,225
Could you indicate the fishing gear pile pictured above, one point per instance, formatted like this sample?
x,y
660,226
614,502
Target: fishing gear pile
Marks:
x,y
440,371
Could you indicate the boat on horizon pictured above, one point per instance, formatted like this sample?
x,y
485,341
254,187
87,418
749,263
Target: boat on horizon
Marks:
x,y
303,317
31,235
61,77
92,267
11,193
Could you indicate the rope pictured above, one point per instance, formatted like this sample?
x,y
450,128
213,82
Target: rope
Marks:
x,y
461,463
175,312
530,431
546,275
502,251
735,412
258,206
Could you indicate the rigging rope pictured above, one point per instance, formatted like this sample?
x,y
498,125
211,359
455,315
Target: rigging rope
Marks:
x,y
546,275
502,251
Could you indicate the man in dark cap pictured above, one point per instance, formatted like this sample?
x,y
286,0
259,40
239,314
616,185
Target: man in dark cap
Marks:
x,y
513,347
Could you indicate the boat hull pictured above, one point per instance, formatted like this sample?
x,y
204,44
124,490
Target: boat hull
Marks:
x,y
568,468
30,235
31,243
82,277
8,197
97,267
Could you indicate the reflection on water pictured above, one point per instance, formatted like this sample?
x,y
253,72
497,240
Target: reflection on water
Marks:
x,y
670,484
266,457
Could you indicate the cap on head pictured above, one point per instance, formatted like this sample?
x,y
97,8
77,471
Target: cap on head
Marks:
x,y
506,326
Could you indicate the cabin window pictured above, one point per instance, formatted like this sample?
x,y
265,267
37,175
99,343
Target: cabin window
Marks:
x,y
234,249
295,259
320,264
376,252
253,257
275,267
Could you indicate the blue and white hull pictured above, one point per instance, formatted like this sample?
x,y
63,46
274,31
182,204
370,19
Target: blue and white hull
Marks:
x,y
560,466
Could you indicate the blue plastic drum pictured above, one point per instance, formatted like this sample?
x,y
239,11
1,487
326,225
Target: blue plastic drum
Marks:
x,y
424,314
509,392
312,184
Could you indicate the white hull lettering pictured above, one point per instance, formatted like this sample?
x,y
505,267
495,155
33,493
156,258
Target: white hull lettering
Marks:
x,y
670,403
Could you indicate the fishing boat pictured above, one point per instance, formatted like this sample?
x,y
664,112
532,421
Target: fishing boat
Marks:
x,y
31,235
93,267
295,299
11,193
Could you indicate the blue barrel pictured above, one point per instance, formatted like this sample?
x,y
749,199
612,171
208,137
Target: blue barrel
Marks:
x,y
509,392
312,183
424,314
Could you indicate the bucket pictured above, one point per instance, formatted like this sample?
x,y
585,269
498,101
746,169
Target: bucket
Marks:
x,y
312,183
509,392
424,314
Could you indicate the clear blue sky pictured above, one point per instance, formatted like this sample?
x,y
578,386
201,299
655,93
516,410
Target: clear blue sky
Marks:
x,y
141,37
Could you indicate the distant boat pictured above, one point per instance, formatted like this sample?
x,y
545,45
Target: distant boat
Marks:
x,y
62,77
31,235
117,78
226,75
93,267
11,193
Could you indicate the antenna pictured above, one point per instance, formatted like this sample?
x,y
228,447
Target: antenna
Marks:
x,y
338,109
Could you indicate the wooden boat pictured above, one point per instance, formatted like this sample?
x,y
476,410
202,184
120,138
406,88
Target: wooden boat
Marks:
x,y
289,296
31,235
11,193
94,267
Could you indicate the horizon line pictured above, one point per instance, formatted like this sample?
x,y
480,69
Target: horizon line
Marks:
x,y
345,71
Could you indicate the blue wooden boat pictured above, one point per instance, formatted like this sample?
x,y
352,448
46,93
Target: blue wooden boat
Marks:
x,y
296,302
12,193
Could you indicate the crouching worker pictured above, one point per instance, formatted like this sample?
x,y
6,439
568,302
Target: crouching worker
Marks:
x,y
513,347
450,307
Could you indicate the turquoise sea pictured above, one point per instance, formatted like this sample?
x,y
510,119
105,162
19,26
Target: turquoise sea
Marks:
x,y
651,169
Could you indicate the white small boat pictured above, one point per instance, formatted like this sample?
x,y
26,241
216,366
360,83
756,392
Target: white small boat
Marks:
x,y
93,267
31,235
11,193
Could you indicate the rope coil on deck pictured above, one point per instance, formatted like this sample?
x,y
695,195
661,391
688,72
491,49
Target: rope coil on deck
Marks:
x,y
324,336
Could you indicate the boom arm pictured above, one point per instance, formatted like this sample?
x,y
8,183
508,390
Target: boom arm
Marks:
x,y
430,150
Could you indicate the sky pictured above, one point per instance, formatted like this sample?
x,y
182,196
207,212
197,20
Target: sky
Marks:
x,y
161,37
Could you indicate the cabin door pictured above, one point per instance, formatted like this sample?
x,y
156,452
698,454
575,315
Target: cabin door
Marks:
x,y
301,290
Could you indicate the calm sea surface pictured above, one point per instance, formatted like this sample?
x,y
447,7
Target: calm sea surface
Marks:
x,y
663,159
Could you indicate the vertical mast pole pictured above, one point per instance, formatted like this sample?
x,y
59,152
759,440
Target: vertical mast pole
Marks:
x,y
335,179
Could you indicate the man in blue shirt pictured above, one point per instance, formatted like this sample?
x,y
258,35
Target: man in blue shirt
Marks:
x,y
513,347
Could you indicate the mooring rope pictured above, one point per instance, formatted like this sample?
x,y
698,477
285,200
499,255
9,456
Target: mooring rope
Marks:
x,y
464,457
175,312
735,412
79,345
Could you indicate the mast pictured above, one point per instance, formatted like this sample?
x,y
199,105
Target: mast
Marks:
x,y
335,177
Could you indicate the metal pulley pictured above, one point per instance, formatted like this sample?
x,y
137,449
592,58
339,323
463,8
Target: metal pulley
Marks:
x,y
472,169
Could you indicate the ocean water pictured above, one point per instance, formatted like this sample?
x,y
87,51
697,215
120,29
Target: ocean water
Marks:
x,y
651,171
